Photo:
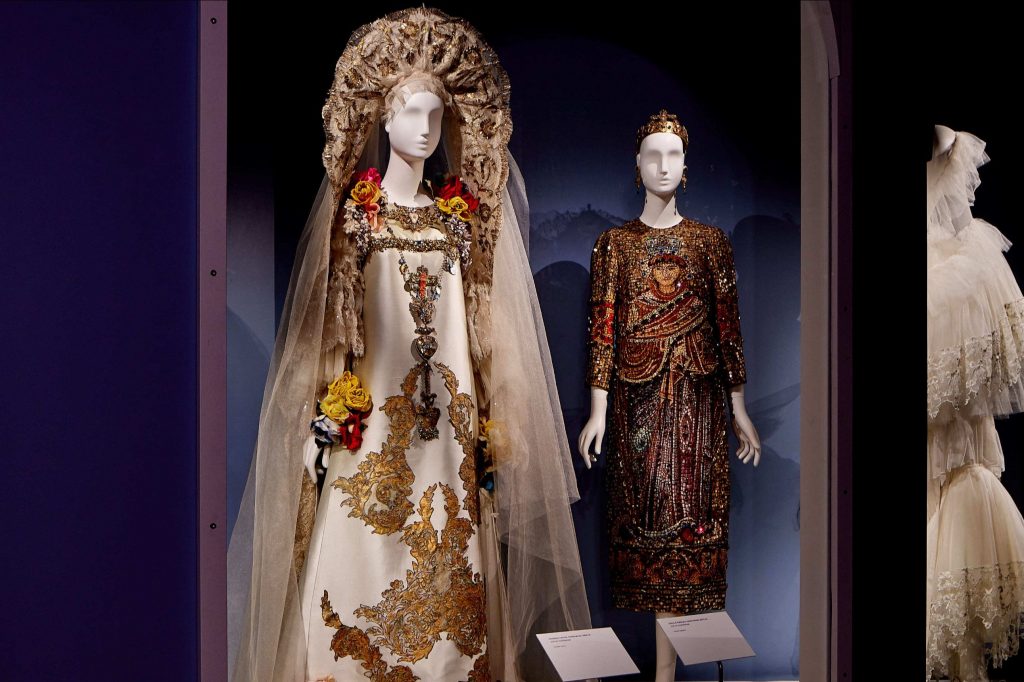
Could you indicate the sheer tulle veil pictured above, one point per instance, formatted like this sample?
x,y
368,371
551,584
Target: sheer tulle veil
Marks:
x,y
533,577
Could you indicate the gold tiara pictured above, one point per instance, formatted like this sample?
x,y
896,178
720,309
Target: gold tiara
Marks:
x,y
663,122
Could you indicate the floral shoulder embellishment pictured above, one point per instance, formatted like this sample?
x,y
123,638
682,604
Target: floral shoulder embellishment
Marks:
x,y
367,206
455,199
458,205
364,202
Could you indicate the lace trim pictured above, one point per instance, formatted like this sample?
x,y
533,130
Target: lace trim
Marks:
x,y
972,608
993,361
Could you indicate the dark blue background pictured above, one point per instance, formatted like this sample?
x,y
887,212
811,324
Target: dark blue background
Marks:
x,y
97,273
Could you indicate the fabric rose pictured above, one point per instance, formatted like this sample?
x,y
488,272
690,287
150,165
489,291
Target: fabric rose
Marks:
x,y
366,194
326,431
358,399
343,384
352,432
369,175
451,188
455,205
334,407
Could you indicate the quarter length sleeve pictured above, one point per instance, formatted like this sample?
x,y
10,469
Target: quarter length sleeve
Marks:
x,y
604,266
727,313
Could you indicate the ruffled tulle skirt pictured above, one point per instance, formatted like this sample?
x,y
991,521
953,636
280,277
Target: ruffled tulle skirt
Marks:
x,y
976,576
975,326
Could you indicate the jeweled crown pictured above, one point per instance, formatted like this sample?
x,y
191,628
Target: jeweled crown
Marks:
x,y
662,245
663,122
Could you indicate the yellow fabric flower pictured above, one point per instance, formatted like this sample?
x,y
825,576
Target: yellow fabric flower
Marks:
x,y
334,407
358,399
456,205
365,192
343,384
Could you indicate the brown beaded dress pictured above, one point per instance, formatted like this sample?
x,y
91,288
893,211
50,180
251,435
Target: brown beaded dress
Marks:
x,y
665,341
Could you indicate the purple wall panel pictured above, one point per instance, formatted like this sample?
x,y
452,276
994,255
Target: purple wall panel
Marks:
x,y
97,269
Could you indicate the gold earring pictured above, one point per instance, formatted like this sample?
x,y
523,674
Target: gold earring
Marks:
x,y
639,180
684,179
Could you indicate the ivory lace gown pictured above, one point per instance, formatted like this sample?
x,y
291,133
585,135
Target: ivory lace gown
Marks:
x,y
975,354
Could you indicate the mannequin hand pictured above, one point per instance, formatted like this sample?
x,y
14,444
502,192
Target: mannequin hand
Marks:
x,y
593,432
746,434
309,454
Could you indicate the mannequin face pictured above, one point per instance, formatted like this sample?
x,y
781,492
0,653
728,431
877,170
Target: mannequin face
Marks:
x,y
416,129
661,160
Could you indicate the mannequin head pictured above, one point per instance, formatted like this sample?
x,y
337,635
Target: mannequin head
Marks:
x,y
661,161
415,129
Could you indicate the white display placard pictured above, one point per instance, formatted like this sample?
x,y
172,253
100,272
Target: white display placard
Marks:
x,y
705,637
582,654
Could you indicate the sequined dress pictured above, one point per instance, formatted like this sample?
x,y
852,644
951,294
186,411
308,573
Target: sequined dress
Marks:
x,y
665,341
392,585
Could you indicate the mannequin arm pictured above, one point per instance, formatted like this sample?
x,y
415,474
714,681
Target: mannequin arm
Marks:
x,y
746,434
593,430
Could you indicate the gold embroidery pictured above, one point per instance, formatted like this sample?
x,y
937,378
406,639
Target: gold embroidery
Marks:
x,y
351,641
460,415
385,476
440,594
481,671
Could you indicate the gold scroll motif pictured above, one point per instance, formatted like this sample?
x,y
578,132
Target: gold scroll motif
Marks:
x,y
385,477
460,415
352,641
441,593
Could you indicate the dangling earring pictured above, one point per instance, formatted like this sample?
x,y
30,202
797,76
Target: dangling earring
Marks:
x,y
683,183
639,180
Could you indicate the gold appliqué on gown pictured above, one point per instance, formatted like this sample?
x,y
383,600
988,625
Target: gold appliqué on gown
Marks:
x,y
352,641
441,593
460,415
385,476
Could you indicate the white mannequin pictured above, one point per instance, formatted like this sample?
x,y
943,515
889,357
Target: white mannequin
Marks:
x,y
661,161
413,134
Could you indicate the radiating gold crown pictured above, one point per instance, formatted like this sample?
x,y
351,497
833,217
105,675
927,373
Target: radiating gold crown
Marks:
x,y
663,122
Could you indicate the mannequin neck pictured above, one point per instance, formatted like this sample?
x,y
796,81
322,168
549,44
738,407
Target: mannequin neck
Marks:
x,y
402,181
660,210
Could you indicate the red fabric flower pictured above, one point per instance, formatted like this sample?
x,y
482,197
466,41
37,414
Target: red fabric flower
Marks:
x,y
451,188
371,175
352,431
471,201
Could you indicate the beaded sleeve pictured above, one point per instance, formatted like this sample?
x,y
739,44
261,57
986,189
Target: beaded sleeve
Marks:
x,y
727,314
604,265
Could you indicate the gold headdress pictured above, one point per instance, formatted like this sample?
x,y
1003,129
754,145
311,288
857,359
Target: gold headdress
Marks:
x,y
416,49
663,122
